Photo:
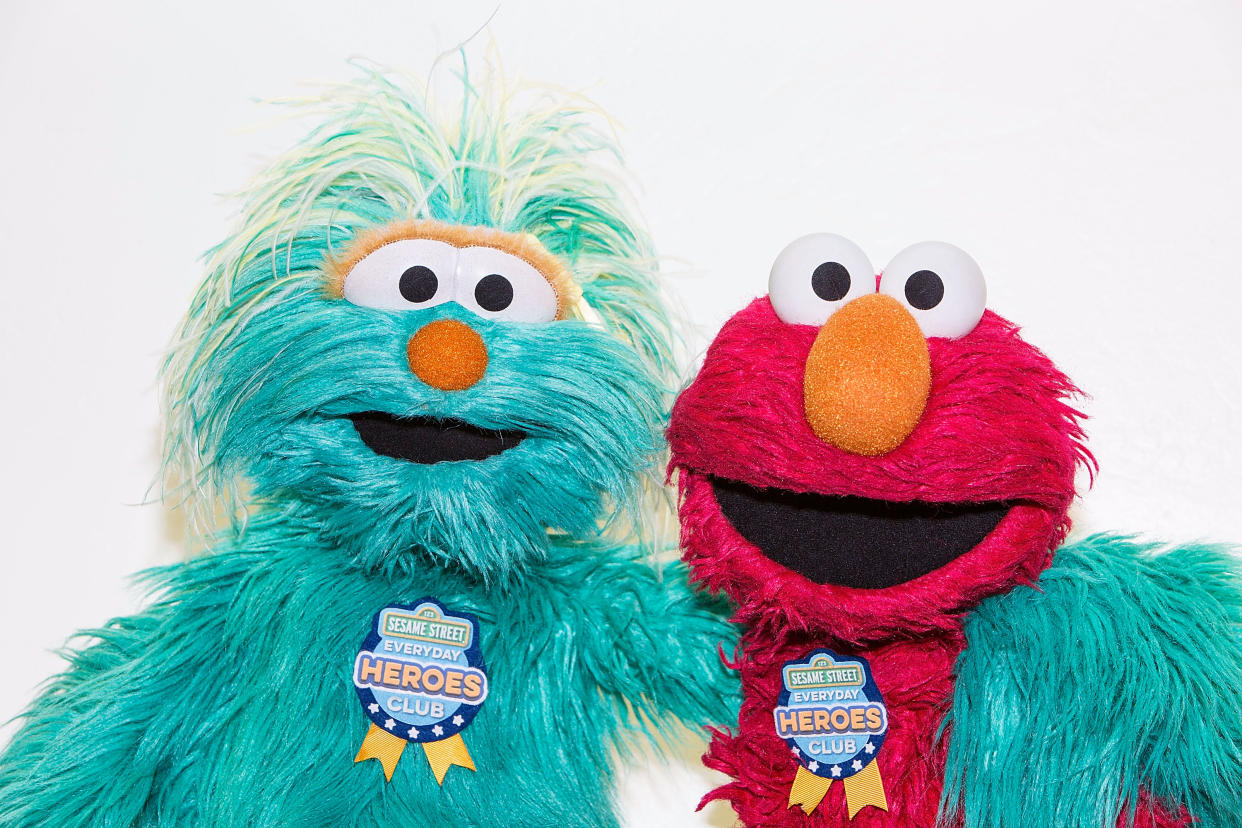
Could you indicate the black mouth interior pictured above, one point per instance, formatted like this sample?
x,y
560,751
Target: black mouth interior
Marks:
x,y
430,440
854,541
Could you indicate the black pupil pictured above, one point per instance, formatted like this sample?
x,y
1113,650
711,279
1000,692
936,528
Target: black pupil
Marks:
x,y
418,284
493,293
924,289
830,281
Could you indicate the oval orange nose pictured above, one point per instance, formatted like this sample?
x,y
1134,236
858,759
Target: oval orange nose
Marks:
x,y
867,376
447,354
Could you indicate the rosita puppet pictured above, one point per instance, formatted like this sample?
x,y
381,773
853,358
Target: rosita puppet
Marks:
x,y
878,470
428,370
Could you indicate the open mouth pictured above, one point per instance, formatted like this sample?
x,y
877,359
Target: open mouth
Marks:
x,y
854,541
430,440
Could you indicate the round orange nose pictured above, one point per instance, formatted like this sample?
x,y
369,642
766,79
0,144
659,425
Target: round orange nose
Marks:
x,y
867,376
447,354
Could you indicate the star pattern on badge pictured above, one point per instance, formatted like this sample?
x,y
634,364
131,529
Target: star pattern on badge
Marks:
x,y
459,720
795,752
869,747
373,707
856,765
836,770
413,733
814,766
437,730
389,724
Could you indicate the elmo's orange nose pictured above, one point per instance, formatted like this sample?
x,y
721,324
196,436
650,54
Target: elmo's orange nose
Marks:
x,y
867,376
448,355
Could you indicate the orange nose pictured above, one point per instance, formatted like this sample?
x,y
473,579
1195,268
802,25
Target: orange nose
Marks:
x,y
867,376
448,355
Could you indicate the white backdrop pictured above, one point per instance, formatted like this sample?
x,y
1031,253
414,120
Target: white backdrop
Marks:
x,y
1086,154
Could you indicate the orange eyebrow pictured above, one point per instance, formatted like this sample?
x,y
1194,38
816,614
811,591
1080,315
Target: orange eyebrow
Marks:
x,y
522,245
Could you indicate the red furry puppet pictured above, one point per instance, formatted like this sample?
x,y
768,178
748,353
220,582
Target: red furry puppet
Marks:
x,y
878,471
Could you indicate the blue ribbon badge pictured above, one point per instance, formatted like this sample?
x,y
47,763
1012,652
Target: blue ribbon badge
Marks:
x,y
833,718
420,678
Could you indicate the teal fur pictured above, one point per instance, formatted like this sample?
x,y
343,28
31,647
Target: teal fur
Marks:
x,y
383,154
591,409
229,701
1121,669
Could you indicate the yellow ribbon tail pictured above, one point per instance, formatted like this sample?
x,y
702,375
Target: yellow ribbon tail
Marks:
x,y
862,789
808,790
382,745
445,753
865,788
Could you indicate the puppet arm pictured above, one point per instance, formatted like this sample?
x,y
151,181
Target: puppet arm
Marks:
x,y
654,640
1110,685
90,750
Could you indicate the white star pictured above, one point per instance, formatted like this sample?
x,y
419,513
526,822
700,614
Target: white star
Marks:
x,y
870,748
413,733
459,720
836,770
439,731
814,766
857,765
373,707
389,723
795,751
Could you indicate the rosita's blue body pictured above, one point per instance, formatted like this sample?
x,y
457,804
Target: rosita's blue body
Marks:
x,y
230,699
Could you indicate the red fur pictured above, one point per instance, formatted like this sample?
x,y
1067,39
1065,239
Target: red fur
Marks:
x,y
1151,813
996,428
914,677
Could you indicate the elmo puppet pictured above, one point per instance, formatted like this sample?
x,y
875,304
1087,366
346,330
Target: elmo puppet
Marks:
x,y
878,471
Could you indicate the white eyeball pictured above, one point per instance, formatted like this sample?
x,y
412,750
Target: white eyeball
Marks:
x,y
403,275
941,286
815,275
498,285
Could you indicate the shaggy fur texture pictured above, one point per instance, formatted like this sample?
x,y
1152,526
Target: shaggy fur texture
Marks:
x,y
229,700
997,428
1122,667
1068,706
915,679
385,154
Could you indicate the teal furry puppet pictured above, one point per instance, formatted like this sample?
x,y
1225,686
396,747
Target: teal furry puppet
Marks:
x,y
429,372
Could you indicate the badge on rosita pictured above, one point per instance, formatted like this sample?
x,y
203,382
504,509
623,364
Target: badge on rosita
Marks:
x,y
420,678
833,718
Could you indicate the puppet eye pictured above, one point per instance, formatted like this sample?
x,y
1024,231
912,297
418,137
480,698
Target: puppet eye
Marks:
x,y
403,275
817,274
499,285
941,286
